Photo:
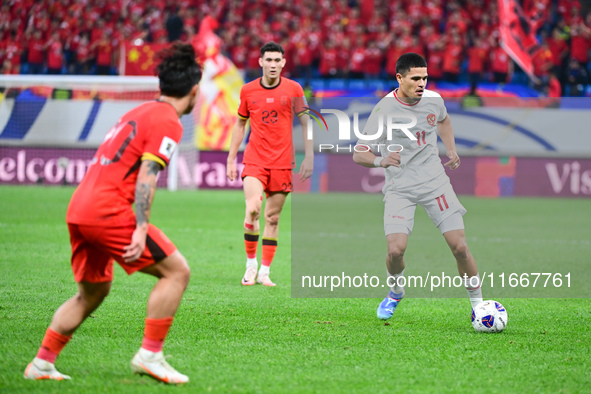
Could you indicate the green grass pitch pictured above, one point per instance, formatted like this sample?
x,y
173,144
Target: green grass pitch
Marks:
x,y
229,338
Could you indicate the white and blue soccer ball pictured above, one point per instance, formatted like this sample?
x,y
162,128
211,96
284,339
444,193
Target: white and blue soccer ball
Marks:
x,y
489,316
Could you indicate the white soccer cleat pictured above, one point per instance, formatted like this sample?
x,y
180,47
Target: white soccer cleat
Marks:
x,y
146,362
39,369
264,280
249,276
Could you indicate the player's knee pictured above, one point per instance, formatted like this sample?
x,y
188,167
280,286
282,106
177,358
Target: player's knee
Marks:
x,y
460,250
93,294
253,207
182,272
272,219
395,252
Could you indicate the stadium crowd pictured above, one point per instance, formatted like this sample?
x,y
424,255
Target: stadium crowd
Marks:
x,y
350,39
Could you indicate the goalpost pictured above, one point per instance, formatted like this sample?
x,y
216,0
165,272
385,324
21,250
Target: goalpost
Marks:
x,y
50,126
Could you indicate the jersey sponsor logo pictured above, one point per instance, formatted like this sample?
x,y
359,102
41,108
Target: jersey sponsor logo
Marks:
x,y
270,100
167,147
431,119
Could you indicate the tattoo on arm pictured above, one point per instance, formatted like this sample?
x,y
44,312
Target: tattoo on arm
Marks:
x,y
153,167
144,191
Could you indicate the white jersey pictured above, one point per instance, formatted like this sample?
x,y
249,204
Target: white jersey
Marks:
x,y
420,163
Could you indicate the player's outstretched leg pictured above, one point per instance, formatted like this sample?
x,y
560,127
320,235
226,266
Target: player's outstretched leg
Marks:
x,y
173,277
253,197
467,268
395,265
251,240
66,320
275,202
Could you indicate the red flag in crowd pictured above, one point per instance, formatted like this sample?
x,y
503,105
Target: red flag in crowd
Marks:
x,y
139,59
517,35
217,108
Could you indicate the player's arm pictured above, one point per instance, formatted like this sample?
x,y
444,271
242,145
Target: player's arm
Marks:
x,y
369,160
446,133
237,137
364,155
144,195
307,165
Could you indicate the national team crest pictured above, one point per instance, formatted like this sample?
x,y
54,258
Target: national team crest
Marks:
x,y
431,119
283,100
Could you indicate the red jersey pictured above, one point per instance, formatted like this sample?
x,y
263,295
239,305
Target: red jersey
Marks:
x,y
328,62
500,60
476,59
579,48
35,54
271,116
55,53
557,47
452,59
104,53
105,196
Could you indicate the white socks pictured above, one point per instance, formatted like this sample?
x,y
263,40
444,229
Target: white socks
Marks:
x,y
264,270
393,280
252,262
474,290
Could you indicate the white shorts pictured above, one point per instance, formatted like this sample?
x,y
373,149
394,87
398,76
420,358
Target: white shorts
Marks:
x,y
440,204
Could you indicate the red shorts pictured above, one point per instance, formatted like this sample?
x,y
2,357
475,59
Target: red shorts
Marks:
x,y
94,248
273,180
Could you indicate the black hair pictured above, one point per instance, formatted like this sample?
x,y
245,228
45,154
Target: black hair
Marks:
x,y
177,71
271,46
408,61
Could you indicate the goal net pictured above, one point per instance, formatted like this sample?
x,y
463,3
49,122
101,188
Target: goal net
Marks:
x,y
51,126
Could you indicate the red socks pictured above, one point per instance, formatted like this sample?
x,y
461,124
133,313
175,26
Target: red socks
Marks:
x,y
52,345
269,248
155,333
251,241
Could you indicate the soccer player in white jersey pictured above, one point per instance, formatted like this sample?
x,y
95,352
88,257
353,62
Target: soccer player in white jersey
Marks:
x,y
415,175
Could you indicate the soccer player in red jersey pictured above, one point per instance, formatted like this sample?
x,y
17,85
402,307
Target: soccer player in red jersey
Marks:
x,y
103,226
270,103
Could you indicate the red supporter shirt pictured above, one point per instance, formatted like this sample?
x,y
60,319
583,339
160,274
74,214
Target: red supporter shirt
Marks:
x,y
579,48
358,60
452,59
373,61
392,55
271,116
476,59
500,60
436,62
55,55
83,52
328,62
554,89
105,196
104,53
35,55
557,47
239,55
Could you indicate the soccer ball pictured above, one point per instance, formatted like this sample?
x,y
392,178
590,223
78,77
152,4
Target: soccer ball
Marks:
x,y
489,316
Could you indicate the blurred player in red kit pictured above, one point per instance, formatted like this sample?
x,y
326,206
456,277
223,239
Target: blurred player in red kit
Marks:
x,y
104,228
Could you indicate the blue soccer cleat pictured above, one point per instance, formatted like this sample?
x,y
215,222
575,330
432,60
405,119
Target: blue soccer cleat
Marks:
x,y
388,305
